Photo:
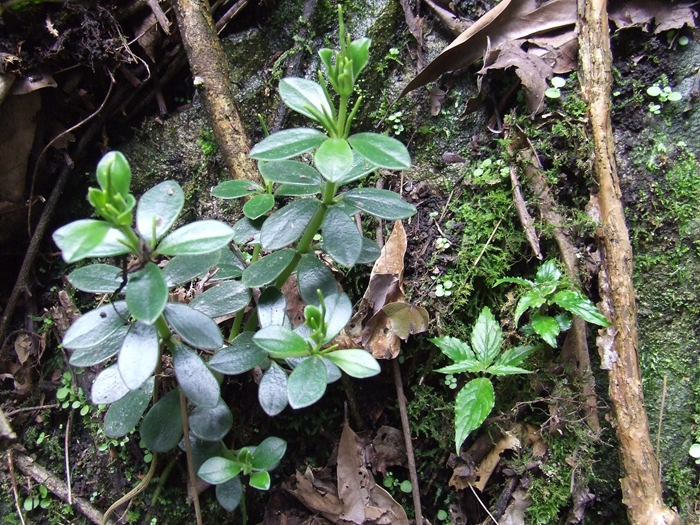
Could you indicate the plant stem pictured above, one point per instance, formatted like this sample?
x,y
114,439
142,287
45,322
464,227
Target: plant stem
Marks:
x,y
159,488
244,509
190,463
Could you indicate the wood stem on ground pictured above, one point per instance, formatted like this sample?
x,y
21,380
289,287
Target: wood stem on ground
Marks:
x,y
641,485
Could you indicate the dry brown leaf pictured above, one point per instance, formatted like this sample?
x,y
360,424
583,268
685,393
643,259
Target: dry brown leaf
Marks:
x,y
406,319
640,13
490,462
388,449
515,512
23,347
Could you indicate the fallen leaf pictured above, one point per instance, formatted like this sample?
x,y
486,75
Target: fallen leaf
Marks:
x,y
23,347
388,449
406,319
515,512
640,13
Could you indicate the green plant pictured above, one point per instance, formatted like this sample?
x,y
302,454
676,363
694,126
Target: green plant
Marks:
x,y
662,95
444,288
555,90
694,452
70,397
40,499
547,290
298,362
484,358
390,481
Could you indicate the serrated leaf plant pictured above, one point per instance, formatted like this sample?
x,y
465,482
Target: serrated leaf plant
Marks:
x,y
140,321
548,290
485,359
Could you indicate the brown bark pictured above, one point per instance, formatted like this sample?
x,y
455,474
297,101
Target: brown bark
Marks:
x,y
210,71
641,486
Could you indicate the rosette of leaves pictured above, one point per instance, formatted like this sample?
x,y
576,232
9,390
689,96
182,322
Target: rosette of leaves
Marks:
x,y
549,290
484,358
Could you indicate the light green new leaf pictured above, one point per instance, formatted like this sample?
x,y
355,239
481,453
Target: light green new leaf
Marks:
x,y
280,342
300,95
266,270
454,348
578,304
161,428
194,377
287,144
92,328
183,268
196,238
546,327
472,406
235,189
307,383
218,470
223,299
158,210
258,206
333,159
122,416
272,392
96,278
341,238
486,338
80,239
384,152
139,355
355,362
268,454
384,204
108,387
260,480
194,327
241,356
287,224
211,423
147,293
359,52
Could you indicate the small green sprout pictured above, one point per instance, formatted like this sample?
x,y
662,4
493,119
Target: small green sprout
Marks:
x,y
442,244
694,452
442,515
444,289
555,90
451,381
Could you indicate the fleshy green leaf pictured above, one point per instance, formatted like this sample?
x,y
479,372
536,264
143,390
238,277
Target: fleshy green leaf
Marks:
x,y
359,168
115,243
258,206
96,278
269,453
229,267
194,327
92,328
454,348
333,159
108,387
230,493
161,428
355,362
196,238
297,190
532,299
548,272
211,424
578,304
223,299
80,239
487,337
384,152
147,293
307,383
359,52
338,313
158,209
515,356
546,327
241,356
122,416
94,355
341,238
272,308
290,172
272,392
280,342
472,406
370,251
139,355
300,94
246,231
234,189
194,377
183,268
384,204
219,470
313,275
287,224
266,270
287,144
260,480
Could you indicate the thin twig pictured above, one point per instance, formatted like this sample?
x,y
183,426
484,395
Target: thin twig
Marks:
x,y
190,463
66,456
482,504
15,492
30,409
661,419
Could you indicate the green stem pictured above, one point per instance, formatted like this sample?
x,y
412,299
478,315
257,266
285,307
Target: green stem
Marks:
x,y
244,509
133,239
236,327
342,115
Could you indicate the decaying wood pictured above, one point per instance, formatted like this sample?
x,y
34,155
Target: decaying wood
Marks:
x,y
210,71
641,487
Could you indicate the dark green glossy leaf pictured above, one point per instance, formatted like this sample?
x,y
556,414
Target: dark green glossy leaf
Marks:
x,y
313,275
546,327
467,365
211,424
272,392
122,416
147,293
472,406
222,299
80,239
229,267
184,268
384,204
341,238
515,356
139,355
161,428
96,278
290,172
504,370
355,362
301,95
158,209
532,299
280,342
370,251
201,450
514,280
234,189
385,152
578,304
266,270
269,453
272,308
287,144
94,355
287,224
297,190
229,494
92,328
108,387
548,272
194,327
194,377
333,159
246,231
259,480
307,383
487,337
196,238
564,320
258,206
359,168
219,470
241,356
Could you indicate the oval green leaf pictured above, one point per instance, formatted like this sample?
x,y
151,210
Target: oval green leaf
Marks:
x,y
258,206
234,189
280,342
183,268
94,355
196,238
115,243
223,299
158,209
92,328
359,168
287,224
300,95
472,406
194,327
266,270
341,238
219,470
384,204
139,355
194,377
290,172
272,308
96,278
384,152
246,231
122,416
260,480
338,313
297,190
269,453
287,144
355,362
147,293
333,159
272,392
229,494
161,428
370,251
211,424
79,239
313,275
241,356
108,387
307,383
